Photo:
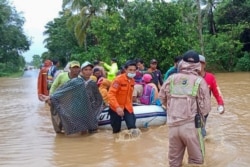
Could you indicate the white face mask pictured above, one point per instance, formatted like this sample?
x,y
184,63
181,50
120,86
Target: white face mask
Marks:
x,y
131,75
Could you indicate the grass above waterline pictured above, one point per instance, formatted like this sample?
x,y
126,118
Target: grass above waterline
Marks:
x,y
12,75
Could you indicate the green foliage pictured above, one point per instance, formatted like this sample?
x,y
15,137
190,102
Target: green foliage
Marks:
x,y
37,61
60,40
233,12
244,63
13,41
150,29
144,30
82,20
221,52
224,49
12,66
2,70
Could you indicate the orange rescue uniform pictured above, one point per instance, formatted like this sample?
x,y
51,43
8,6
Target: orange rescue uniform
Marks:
x,y
120,93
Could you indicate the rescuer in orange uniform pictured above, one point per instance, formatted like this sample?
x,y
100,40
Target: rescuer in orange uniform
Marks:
x,y
42,79
120,98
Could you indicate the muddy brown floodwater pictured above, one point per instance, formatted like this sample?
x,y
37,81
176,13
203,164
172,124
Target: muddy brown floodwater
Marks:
x,y
27,138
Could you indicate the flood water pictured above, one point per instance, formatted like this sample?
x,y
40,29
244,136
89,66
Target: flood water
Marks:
x,y
27,137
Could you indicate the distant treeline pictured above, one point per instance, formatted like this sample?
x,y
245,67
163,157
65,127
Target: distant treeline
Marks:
x,y
102,29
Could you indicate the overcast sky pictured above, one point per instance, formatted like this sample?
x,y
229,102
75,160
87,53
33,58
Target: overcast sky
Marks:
x,y
37,14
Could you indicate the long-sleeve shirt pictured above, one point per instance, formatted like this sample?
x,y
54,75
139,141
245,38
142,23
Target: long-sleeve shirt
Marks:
x,y
171,71
120,93
213,87
60,80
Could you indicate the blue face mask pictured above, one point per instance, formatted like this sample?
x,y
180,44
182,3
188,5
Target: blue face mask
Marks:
x,y
131,75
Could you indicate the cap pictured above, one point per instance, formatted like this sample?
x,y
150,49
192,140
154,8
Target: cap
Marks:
x,y
147,78
202,59
85,64
74,64
191,56
153,61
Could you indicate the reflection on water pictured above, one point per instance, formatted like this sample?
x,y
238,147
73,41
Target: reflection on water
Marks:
x,y
28,139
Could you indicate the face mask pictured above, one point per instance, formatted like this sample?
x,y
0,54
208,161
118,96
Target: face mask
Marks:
x,y
131,75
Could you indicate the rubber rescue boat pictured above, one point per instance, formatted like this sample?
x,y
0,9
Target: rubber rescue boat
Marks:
x,y
146,116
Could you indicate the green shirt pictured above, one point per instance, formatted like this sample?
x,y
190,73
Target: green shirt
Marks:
x,y
60,80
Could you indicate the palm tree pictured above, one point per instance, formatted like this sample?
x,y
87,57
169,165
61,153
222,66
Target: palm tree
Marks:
x,y
85,11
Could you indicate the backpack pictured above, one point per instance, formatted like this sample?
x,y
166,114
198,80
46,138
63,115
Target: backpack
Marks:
x,y
147,95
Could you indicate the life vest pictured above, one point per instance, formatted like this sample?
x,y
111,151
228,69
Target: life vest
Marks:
x,y
183,93
181,90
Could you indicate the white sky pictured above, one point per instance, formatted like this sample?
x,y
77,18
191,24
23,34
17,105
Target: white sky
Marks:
x,y
37,14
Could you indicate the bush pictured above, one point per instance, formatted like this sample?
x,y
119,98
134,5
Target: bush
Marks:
x,y
8,69
3,74
243,63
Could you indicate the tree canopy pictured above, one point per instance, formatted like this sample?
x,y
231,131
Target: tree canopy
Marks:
x,y
13,41
102,29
